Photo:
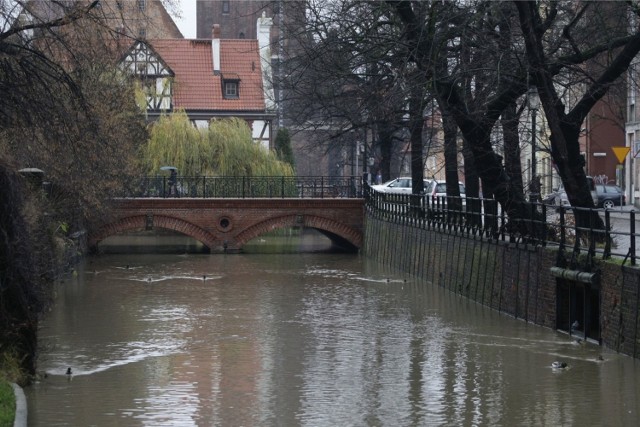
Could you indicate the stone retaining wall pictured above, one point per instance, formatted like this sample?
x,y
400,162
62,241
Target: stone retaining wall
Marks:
x,y
513,279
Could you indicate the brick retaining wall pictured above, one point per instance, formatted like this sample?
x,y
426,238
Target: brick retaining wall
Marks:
x,y
512,279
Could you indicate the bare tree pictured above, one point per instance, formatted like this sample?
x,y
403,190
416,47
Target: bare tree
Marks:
x,y
346,74
66,110
480,68
598,73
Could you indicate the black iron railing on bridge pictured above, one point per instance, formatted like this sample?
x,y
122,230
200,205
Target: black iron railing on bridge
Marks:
x,y
246,187
483,218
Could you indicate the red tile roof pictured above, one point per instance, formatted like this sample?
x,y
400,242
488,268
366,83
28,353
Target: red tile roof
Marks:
x,y
195,85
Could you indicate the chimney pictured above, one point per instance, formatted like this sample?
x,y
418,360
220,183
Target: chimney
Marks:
x,y
264,25
215,48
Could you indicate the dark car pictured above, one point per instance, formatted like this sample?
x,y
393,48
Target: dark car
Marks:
x,y
559,196
610,196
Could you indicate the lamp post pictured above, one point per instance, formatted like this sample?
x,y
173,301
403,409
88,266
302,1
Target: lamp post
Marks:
x,y
534,104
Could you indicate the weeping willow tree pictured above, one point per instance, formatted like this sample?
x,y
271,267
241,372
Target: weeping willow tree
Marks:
x,y
174,141
226,148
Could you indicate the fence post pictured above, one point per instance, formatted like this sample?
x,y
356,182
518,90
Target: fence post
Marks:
x,y
607,236
545,228
164,187
632,236
562,230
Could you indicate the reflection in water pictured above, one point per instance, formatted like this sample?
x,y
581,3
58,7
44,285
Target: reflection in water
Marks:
x,y
160,241
290,241
150,241
313,340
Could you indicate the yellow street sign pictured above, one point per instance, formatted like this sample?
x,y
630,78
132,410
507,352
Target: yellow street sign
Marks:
x,y
621,153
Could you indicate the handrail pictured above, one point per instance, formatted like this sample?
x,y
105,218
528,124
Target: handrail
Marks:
x,y
245,187
483,218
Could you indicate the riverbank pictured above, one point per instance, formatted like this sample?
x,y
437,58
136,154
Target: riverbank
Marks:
x,y
7,403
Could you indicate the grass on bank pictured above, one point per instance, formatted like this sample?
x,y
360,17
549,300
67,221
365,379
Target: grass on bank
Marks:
x,y
7,403
9,372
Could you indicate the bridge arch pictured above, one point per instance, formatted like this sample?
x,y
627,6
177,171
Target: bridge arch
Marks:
x,y
337,232
142,222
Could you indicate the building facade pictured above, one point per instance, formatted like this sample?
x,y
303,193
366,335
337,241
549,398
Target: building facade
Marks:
x,y
208,79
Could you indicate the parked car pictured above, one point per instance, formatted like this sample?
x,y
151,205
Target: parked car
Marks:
x,y
437,192
610,196
400,185
558,197
438,188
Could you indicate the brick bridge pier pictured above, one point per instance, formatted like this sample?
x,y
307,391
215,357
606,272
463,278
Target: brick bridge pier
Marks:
x,y
225,225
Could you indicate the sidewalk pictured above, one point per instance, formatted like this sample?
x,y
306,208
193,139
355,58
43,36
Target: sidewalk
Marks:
x,y
623,211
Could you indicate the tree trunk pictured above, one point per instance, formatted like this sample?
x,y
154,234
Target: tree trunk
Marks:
x,y
385,138
472,185
510,121
416,125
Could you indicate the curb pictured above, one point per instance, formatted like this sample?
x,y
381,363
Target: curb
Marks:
x,y
21,406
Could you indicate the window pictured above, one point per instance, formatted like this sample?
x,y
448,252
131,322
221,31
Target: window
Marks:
x,y
119,4
225,7
231,89
142,5
230,85
142,33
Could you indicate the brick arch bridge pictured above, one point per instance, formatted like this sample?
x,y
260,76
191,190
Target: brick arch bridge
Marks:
x,y
225,225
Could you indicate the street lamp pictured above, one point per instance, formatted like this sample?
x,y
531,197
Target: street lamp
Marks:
x,y
534,104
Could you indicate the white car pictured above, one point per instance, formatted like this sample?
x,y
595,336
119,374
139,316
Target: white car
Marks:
x,y
400,185
438,189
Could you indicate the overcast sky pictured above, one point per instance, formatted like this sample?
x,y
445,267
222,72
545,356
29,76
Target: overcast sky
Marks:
x,y
187,24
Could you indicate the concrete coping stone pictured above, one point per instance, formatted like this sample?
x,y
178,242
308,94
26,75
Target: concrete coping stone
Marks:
x,y
21,406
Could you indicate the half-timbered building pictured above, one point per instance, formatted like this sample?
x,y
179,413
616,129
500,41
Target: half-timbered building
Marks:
x,y
208,79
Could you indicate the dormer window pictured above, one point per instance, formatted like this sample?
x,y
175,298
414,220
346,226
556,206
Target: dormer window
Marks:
x,y
230,89
231,86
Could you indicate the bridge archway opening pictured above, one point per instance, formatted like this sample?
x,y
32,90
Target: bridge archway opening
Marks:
x,y
157,241
339,243
298,240
342,237
150,227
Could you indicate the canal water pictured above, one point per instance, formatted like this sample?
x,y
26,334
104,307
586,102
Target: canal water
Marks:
x,y
305,339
